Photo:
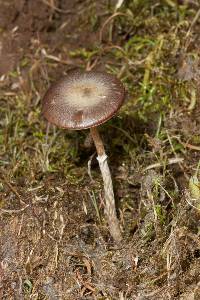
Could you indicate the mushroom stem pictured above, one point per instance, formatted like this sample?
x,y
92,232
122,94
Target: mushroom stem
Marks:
x,y
110,208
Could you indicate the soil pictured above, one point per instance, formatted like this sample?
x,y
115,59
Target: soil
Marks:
x,y
54,238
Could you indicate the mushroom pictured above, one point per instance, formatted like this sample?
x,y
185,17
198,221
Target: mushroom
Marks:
x,y
83,100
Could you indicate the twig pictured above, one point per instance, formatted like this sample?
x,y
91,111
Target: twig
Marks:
x,y
55,58
56,8
12,211
192,147
193,22
187,43
171,161
191,204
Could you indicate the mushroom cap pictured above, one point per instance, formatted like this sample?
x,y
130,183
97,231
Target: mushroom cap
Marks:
x,y
82,100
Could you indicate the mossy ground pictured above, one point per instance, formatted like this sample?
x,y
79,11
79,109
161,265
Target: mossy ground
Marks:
x,y
54,238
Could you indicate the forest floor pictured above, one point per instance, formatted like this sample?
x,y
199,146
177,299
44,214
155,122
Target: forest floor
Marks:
x,y
54,238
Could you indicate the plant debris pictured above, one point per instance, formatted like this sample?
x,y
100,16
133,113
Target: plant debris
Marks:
x,y
54,239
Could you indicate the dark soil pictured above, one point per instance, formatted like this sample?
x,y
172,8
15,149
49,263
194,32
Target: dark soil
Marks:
x,y
54,239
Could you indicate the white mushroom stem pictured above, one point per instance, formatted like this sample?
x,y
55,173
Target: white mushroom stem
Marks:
x,y
110,208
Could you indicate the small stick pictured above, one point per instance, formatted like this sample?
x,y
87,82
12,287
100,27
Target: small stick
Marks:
x,y
12,211
171,161
110,208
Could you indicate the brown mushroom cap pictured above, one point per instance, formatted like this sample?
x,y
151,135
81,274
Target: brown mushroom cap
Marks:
x,y
82,100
